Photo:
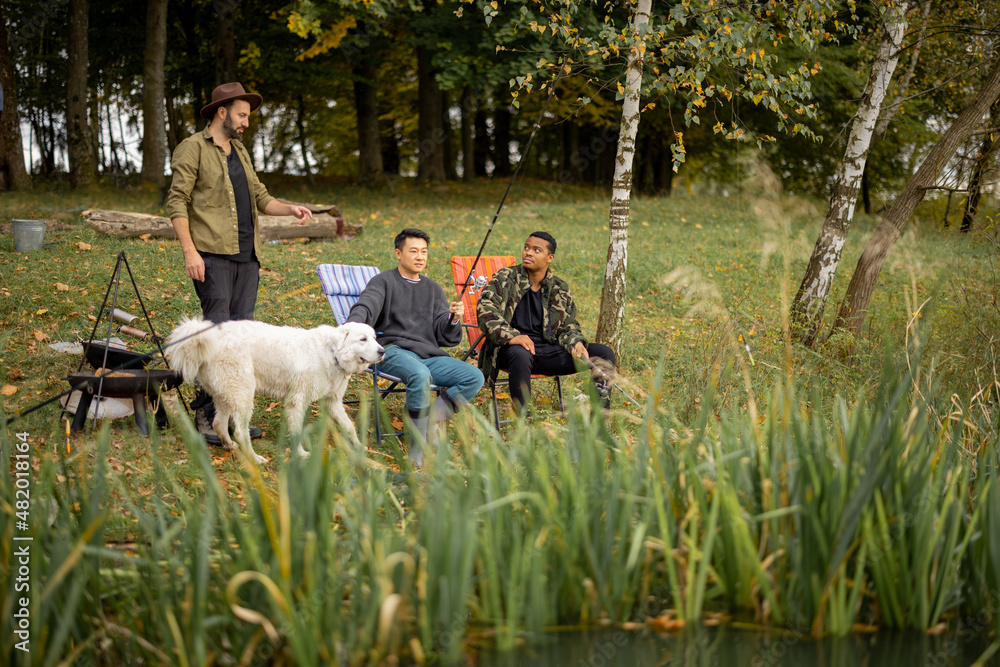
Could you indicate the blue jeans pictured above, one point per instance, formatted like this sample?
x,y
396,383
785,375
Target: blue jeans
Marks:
x,y
462,380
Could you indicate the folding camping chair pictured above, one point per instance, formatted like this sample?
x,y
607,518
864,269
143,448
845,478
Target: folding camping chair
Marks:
x,y
484,270
342,284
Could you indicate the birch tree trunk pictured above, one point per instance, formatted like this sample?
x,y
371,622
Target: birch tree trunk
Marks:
x,y
904,83
807,309
154,130
609,322
859,292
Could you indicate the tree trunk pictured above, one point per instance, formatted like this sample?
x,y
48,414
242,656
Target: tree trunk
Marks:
x,y
154,131
125,224
468,134
390,150
807,309
859,292
481,150
612,313
447,144
300,127
501,137
987,149
94,116
225,42
78,141
366,105
430,134
13,175
904,83
866,196
176,131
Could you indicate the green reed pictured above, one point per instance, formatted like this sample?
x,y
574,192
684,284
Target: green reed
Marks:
x,y
875,510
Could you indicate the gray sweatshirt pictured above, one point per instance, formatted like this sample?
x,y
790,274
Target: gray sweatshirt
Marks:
x,y
413,316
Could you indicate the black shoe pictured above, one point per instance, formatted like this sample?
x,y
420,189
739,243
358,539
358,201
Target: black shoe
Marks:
x,y
205,428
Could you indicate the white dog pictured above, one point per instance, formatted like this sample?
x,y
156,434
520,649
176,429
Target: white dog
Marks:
x,y
235,359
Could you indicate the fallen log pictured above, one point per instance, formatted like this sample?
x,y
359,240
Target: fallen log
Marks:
x,y
127,224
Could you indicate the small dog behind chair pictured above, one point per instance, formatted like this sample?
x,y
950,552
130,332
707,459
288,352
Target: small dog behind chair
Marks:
x,y
237,359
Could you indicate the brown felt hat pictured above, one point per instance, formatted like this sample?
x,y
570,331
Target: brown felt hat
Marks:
x,y
228,92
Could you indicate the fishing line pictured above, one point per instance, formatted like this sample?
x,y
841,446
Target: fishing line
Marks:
x,y
513,178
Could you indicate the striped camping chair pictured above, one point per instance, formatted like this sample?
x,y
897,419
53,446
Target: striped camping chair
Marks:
x,y
342,284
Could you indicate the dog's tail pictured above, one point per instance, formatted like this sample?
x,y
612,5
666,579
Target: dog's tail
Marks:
x,y
190,345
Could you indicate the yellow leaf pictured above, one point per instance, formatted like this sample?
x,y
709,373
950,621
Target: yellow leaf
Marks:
x,y
697,226
621,88
62,288
39,335
8,390
145,237
83,246
41,311
493,4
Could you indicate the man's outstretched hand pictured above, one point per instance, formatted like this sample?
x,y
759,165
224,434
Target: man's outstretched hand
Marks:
x,y
580,350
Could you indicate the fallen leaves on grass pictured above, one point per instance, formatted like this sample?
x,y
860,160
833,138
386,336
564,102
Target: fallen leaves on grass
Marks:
x,y
666,623
60,287
39,335
8,390
83,246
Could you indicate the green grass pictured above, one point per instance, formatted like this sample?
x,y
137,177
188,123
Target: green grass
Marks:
x,y
738,263
765,492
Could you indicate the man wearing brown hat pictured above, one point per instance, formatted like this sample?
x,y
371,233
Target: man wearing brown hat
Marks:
x,y
213,203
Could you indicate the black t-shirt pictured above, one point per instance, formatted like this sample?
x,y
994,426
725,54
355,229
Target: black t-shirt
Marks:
x,y
244,214
529,316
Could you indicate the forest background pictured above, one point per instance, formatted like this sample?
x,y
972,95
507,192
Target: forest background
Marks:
x,y
97,95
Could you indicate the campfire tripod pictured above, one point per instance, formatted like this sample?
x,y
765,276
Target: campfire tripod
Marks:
x,y
135,385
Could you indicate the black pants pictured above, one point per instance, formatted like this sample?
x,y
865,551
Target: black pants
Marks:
x,y
229,291
547,360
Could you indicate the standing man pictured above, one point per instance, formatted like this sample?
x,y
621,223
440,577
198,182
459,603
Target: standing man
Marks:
x,y
529,318
213,203
413,320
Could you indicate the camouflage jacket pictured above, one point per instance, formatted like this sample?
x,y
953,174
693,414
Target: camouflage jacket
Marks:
x,y
498,301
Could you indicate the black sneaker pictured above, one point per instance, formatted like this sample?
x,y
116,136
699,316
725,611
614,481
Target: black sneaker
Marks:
x,y
204,426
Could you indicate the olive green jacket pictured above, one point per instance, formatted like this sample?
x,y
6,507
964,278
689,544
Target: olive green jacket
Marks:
x,y
202,192
498,301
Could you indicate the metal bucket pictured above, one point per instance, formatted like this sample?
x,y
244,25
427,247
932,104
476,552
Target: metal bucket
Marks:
x,y
28,234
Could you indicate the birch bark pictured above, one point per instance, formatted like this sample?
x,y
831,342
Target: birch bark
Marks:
x,y
859,292
612,313
807,309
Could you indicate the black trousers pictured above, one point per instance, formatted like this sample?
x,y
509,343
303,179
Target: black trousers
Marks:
x,y
547,360
229,291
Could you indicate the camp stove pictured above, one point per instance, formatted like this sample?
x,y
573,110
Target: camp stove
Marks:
x,y
121,373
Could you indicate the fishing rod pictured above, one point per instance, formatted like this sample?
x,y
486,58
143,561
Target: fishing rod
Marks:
x,y
513,178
